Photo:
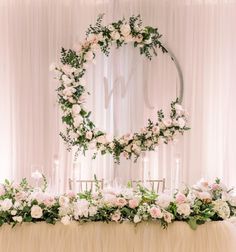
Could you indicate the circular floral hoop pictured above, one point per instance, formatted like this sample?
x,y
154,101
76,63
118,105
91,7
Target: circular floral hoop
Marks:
x,y
80,130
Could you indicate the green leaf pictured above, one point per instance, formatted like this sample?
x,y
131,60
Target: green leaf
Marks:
x,y
193,223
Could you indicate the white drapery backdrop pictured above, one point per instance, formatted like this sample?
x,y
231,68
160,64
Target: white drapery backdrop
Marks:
x,y
200,33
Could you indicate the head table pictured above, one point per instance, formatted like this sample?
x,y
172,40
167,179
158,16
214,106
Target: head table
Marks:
x,y
102,237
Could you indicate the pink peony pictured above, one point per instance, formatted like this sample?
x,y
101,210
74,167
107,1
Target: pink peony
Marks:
x,y
155,212
133,203
180,198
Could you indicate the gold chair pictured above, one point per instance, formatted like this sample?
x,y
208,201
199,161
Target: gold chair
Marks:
x,y
157,185
85,185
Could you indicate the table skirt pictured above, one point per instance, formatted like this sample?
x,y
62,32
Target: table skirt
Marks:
x,y
112,237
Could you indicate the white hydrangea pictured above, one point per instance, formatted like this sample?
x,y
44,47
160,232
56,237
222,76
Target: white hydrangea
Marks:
x,y
222,209
6,204
164,200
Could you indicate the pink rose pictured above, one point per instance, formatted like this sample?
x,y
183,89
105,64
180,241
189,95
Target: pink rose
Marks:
x,y
204,196
167,122
133,203
215,187
48,202
116,216
180,198
70,194
155,212
121,202
156,130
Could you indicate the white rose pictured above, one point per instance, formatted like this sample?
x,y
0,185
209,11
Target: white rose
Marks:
x,y
68,91
13,212
17,219
89,135
16,204
125,30
115,35
66,80
101,139
184,209
68,70
232,200
36,212
6,204
77,121
89,56
181,122
64,210
137,219
76,109
111,145
65,220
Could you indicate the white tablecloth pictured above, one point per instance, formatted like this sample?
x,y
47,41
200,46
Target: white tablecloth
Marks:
x,y
112,237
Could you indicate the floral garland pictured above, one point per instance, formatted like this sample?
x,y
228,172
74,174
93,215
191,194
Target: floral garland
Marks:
x,y
72,93
195,205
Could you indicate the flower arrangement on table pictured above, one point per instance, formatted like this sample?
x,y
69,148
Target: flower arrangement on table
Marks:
x,y
195,205
81,131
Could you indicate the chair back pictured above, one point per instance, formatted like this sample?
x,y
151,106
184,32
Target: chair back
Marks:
x,y
156,185
84,185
